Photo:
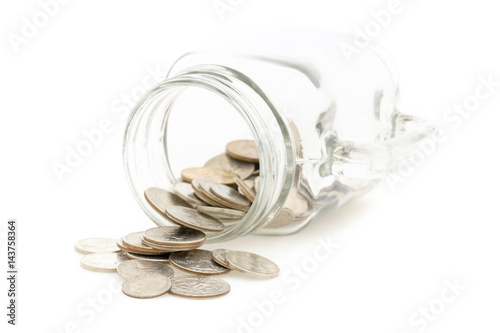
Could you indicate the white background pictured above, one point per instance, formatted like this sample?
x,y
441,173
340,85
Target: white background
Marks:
x,y
398,245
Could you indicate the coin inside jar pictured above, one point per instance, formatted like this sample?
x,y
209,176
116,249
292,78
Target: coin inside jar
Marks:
x,y
211,174
226,162
244,150
230,196
160,199
192,218
185,192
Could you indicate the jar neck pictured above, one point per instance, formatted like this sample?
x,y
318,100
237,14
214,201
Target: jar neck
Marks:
x,y
145,140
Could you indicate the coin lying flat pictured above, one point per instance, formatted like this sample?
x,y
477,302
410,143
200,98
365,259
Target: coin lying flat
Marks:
x,y
230,195
252,264
284,217
163,258
198,286
185,192
212,174
245,190
95,245
134,240
222,213
244,150
102,261
197,261
146,286
131,268
170,248
194,219
160,199
129,249
174,236
226,162
219,256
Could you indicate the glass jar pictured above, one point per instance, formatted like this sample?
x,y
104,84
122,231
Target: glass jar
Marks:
x,y
327,129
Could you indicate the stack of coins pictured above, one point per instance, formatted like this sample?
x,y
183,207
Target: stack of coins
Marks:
x,y
209,199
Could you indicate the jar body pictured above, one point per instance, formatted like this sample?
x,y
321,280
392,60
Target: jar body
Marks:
x,y
327,128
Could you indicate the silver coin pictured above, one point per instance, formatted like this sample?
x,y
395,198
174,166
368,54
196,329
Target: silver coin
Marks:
x,y
194,219
160,199
226,162
198,286
245,190
151,251
170,248
103,261
252,264
204,194
222,213
164,258
219,256
230,195
244,150
146,286
185,192
174,235
197,261
95,245
283,218
134,241
296,203
131,268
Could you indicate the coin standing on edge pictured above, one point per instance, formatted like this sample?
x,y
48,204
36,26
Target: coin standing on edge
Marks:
x,y
198,286
252,264
146,286
95,245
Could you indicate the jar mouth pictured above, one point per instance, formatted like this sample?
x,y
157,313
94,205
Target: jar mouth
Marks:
x,y
146,156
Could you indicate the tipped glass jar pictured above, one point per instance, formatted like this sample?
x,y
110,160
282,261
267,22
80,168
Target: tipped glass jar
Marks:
x,y
327,128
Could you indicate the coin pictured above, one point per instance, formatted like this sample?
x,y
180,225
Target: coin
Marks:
x,y
170,248
155,258
284,217
197,261
244,150
202,189
221,213
152,250
219,256
245,190
252,264
230,195
95,245
194,219
102,261
160,199
146,286
296,203
131,268
185,192
226,162
212,174
174,235
198,286
134,241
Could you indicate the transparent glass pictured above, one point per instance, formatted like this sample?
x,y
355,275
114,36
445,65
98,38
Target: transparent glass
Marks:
x,y
327,129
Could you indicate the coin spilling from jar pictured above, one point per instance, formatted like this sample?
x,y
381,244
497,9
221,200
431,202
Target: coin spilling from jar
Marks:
x,y
209,199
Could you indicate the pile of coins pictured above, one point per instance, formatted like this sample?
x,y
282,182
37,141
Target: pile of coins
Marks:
x,y
204,202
